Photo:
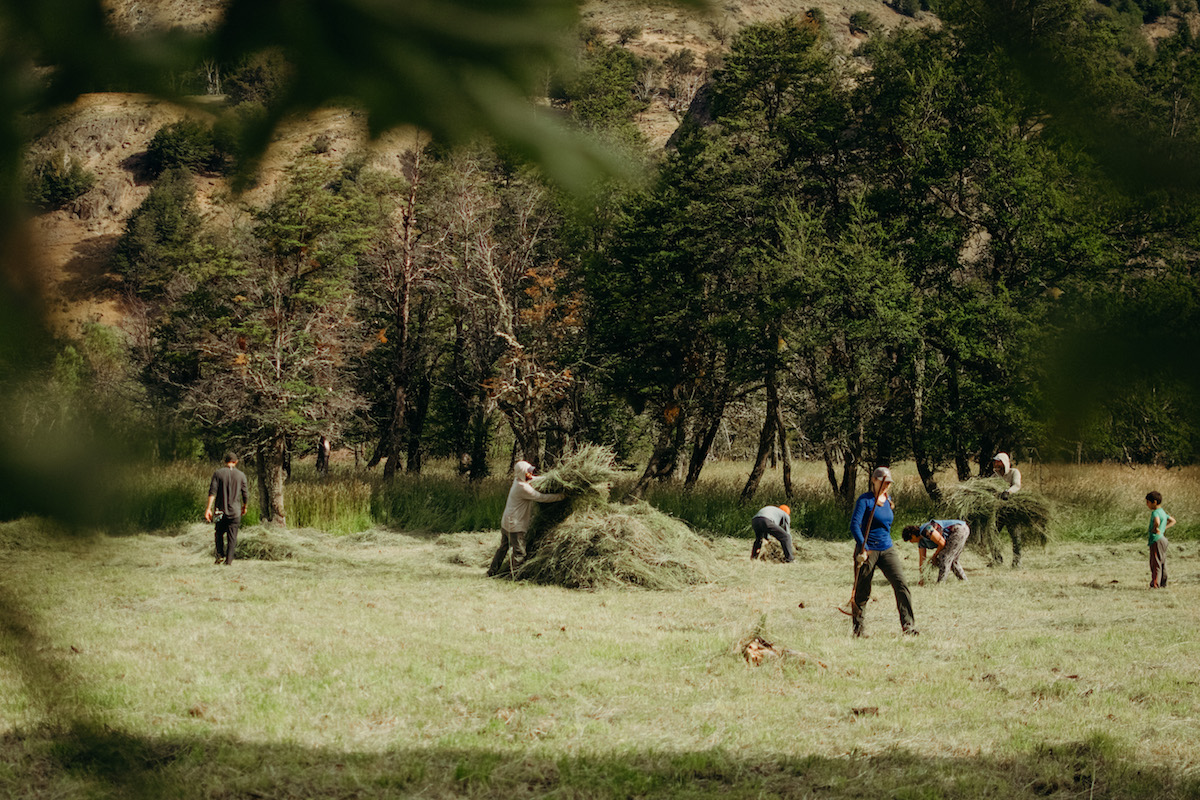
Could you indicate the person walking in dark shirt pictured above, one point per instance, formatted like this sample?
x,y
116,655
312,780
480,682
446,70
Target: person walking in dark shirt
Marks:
x,y
228,495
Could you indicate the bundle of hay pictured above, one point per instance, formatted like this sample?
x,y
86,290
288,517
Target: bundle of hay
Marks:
x,y
588,542
262,543
756,650
1024,516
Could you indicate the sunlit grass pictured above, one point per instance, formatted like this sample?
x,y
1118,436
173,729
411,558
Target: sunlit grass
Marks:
x,y
385,664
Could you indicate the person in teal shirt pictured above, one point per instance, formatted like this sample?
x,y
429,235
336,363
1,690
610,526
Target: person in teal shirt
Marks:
x,y
1160,520
947,538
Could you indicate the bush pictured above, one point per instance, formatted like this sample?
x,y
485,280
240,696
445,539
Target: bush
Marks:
x,y
260,79
188,144
863,22
57,180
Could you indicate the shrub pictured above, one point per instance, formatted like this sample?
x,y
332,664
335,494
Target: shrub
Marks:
x,y
57,180
259,79
189,144
863,22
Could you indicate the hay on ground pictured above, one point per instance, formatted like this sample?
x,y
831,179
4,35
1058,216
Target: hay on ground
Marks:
x,y
1024,515
588,542
262,543
756,650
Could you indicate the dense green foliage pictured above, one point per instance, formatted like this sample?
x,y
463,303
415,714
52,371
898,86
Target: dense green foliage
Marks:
x,y
56,180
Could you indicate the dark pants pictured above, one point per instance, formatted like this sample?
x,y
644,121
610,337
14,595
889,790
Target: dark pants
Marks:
x,y
763,528
1158,564
515,540
227,528
888,562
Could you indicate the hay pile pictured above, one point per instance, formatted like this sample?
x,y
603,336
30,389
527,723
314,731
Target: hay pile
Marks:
x,y
1024,515
756,650
588,542
263,543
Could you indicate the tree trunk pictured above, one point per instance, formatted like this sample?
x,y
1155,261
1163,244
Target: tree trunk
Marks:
x,y
766,439
703,441
323,448
925,468
270,458
418,413
784,452
962,465
662,460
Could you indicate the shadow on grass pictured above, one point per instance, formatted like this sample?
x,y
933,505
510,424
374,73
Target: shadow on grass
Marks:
x,y
100,762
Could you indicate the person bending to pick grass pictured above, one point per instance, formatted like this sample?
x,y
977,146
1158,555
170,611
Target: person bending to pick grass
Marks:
x,y
514,524
1160,520
871,526
773,521
227,487
946,538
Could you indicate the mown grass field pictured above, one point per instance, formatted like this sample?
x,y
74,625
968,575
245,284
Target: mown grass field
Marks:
x,y
383,664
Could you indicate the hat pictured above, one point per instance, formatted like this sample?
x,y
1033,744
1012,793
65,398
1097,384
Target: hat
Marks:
x,y
785,509
883,474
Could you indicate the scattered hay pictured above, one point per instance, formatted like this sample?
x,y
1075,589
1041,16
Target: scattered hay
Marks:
x,y
588,542
756,650
260,543
1025,515
772,551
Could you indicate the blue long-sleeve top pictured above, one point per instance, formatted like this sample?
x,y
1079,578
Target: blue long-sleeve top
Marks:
x,y
880,535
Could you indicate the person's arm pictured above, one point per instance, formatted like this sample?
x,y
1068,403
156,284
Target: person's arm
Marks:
x,y
920,565
539,497
208,511
939,540
1170,521
856,523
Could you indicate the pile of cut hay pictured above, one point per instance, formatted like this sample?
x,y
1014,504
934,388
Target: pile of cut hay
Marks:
x,y
756,650
262,543
1024,515
588,542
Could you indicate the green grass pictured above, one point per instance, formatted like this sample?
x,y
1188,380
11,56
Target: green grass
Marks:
x,y
384,664
1091,503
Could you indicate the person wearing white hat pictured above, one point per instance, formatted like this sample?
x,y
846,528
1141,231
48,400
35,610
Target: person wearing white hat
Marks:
x,y
514,523
871,526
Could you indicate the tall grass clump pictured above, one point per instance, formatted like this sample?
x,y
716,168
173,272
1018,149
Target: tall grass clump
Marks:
x,y
1025,515
438,504
337,503
588,542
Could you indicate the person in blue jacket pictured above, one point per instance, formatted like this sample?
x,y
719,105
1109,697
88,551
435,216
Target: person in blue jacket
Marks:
x,y
871,526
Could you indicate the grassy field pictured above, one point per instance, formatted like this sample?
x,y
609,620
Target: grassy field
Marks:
x,y
384,664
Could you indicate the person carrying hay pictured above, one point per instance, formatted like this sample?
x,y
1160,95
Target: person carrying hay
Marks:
x,y
871,526
947,538
1002,468
514,523
773,521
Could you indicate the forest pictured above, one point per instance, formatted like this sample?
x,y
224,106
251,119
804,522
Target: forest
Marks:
x,y
957,239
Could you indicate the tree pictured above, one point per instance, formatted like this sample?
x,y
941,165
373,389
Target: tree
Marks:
x,y
272,327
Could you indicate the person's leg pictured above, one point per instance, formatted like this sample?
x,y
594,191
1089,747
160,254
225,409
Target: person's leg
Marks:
x,y
1158,567
889,565
1014,533
501,552
862,593
516,540
785,539
231,530
219,537
956,537
759,526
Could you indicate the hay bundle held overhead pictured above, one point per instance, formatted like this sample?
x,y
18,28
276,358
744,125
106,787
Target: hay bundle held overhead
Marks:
x,y
588,542
1024,515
